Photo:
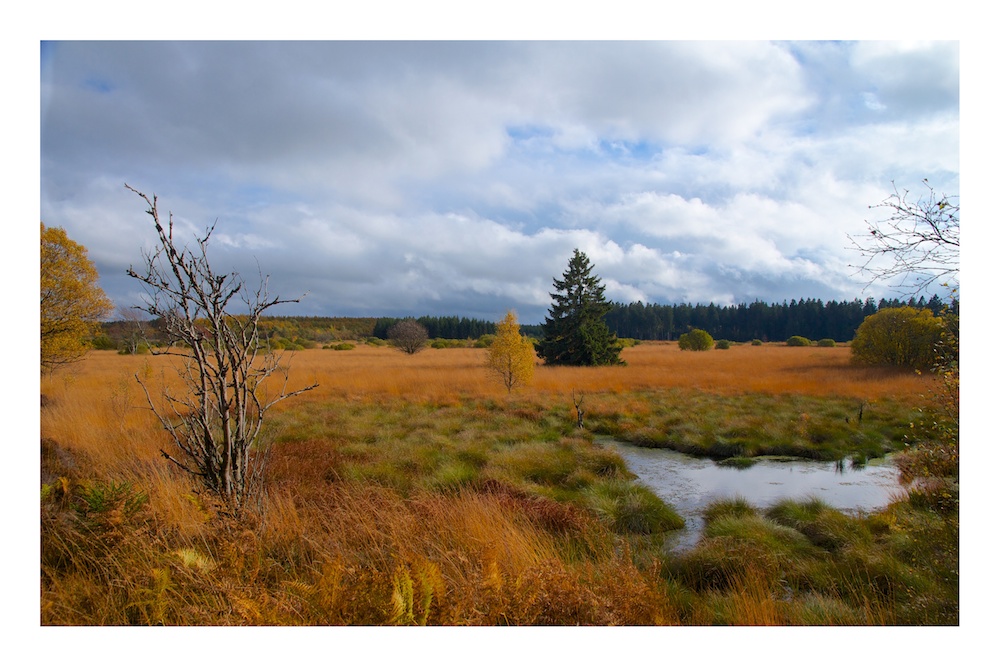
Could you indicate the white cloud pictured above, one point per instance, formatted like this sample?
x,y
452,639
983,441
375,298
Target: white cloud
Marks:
x,y
458,177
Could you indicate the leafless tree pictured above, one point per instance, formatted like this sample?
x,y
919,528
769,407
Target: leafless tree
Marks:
x,y
135,329
920,240
216,423
408,335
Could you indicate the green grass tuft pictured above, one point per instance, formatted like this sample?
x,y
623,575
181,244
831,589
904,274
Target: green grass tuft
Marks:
x,y
629,507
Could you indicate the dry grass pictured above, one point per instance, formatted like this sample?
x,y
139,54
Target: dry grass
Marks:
x,y
741,369
448,373
360,525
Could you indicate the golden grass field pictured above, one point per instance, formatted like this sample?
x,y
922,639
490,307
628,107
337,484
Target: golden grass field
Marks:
x,y
360,526
439,374
100,394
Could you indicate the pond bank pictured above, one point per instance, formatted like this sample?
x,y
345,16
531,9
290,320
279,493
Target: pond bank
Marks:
x,y
689,483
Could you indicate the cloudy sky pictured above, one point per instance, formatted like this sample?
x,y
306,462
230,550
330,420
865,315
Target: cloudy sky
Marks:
x,y
456,178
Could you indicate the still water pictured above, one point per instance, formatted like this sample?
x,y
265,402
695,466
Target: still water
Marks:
x,y
689,483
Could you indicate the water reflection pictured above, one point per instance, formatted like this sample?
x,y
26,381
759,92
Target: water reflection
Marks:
x,y
689,483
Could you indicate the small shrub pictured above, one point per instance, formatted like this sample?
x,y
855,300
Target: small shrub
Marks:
x,y
798,341
105,497
448,343
826,342
722,344
696,340
756,342
342,346
103,342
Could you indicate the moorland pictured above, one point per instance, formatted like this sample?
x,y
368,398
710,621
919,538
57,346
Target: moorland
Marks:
x,y
413,489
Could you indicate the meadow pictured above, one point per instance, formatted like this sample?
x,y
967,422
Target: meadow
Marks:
x,y
414,490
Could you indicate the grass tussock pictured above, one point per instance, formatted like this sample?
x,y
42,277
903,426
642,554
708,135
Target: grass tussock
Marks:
x,y
409,490
803,563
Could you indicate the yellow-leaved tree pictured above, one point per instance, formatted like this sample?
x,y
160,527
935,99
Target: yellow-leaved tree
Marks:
x,y
511,357
72,303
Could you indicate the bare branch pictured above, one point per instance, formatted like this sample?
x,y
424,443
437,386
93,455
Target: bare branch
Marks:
x,y
916,246
217,423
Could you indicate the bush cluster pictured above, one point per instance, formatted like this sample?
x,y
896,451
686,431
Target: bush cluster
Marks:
x,y
903,337
798,341
696,340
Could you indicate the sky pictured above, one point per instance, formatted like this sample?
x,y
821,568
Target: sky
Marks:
x,y
385,178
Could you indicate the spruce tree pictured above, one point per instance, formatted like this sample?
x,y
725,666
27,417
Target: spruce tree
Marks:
x,y
575,333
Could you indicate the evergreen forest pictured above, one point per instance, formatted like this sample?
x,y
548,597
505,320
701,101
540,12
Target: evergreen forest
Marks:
x,y
811,318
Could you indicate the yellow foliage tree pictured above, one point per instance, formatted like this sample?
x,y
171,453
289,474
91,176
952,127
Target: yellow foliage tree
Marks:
x,y
904,337
511,356
72,303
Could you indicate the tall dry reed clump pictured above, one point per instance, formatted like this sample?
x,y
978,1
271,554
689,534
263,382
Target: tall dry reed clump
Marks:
x,y
128,539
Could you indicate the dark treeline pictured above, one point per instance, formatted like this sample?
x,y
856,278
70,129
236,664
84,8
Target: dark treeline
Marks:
x,y
758,320
460,328
811,318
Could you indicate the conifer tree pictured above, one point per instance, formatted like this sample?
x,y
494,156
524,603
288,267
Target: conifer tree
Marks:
x,y
575,333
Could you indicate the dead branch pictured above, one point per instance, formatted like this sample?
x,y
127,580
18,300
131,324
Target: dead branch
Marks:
x,y
916,246
217,423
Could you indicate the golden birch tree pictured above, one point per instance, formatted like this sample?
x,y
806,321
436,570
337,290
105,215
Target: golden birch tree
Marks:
x,y
72,303
511,357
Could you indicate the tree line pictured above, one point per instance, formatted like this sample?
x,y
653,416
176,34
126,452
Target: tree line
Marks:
x,y
811,318
460,328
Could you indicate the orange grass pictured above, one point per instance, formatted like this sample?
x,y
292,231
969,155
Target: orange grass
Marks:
x,y
321,550
449,374
333,551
